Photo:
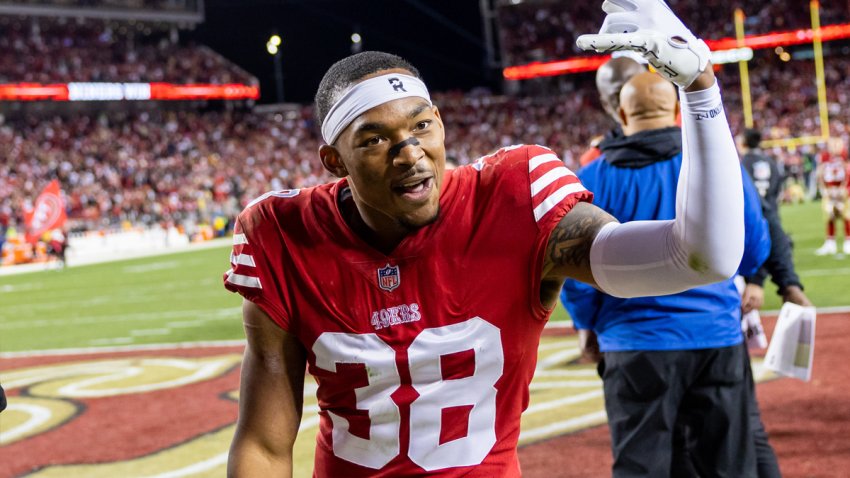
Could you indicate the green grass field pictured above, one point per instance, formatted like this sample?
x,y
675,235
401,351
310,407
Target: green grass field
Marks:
x,y
179,297
165,299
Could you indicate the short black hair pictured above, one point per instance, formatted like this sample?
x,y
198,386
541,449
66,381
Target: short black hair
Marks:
x,y
348,71
752,138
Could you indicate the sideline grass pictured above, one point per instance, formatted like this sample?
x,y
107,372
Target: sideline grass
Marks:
x,y
173,298
179,297
826,278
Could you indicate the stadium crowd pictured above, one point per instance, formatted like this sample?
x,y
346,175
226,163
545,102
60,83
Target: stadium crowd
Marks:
x,y
186,167
50,50
170,167
543,30
179,5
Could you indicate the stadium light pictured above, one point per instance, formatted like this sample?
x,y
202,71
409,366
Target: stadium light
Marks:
x,y
356,42
273,47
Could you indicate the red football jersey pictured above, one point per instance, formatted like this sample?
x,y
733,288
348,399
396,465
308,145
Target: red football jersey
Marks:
x,y
423,357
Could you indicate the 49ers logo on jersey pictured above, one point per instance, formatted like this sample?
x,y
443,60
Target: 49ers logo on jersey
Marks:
x,y
389,277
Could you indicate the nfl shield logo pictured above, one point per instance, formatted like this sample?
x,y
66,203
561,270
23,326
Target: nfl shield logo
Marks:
x,y
388,278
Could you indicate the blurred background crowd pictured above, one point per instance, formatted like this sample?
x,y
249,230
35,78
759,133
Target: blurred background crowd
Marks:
x,y
55,50
541,30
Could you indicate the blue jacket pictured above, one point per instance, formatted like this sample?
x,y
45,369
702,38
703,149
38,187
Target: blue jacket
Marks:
x,y
635,179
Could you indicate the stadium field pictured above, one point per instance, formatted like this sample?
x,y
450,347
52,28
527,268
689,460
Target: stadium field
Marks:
x,y
84,408
179,297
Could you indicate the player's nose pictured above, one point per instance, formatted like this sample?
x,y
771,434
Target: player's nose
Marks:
x,y
406,153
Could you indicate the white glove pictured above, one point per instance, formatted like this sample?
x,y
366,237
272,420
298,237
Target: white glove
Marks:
x,y
650,28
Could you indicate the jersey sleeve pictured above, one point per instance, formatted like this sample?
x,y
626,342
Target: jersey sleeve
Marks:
x,y
553,187
531,189
536,180
253,274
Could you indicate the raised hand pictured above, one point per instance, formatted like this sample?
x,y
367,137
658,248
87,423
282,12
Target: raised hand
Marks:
x,y
650,28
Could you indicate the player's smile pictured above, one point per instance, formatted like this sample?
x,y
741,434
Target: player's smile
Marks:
x,y
415,187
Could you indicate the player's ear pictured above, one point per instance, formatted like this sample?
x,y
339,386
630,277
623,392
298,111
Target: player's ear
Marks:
x,y
439,120
332,161
624,120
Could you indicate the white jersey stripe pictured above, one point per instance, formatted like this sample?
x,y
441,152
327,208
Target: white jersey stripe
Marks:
x,y
244,281
555,198
547,179
242,259
536,161
239,239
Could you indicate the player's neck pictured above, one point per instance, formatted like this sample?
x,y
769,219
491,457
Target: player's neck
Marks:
x,y
367,223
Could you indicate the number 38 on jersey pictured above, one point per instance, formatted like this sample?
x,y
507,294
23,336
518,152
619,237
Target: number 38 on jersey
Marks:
x,y
476,341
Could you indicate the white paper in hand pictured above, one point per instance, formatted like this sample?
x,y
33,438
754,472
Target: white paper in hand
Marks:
x,y
753,330
792,346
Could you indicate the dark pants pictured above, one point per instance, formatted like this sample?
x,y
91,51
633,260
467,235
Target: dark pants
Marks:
x,y
766,463
649,395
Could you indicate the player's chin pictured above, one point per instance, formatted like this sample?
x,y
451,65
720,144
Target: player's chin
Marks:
x,y
421,217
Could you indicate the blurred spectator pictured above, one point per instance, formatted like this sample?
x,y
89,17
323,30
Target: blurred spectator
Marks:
x,y
546,29
51,50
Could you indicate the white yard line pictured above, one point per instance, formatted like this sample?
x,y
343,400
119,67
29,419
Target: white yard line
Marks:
x,y
558,358
547,385
840,271
558,344
123,256
587,420
195,468
560,324
571,400
149,332
566,373
39,415
112,341
203,314
155,266
127,348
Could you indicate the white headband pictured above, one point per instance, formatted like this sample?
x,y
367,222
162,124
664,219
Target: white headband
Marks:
x,y
366,95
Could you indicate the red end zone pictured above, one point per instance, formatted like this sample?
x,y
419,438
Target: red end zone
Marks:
x,y
153,400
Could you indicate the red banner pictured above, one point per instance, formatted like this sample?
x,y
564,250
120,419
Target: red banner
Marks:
x,y
126,92
756,42
48,213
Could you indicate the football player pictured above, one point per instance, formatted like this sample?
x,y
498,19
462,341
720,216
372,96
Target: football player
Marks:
x,y
833,183
416,296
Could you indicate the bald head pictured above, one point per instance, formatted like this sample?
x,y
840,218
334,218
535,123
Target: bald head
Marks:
x,y
647,101
610,79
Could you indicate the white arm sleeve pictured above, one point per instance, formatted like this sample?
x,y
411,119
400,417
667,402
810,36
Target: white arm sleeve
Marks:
x,y
705,242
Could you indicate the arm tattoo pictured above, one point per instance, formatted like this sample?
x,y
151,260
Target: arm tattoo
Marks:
x,y
569,245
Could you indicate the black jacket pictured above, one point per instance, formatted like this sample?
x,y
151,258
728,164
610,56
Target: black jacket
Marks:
x,y
768,181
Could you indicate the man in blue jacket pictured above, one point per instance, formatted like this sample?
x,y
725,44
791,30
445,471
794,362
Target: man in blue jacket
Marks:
x,y
670,361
